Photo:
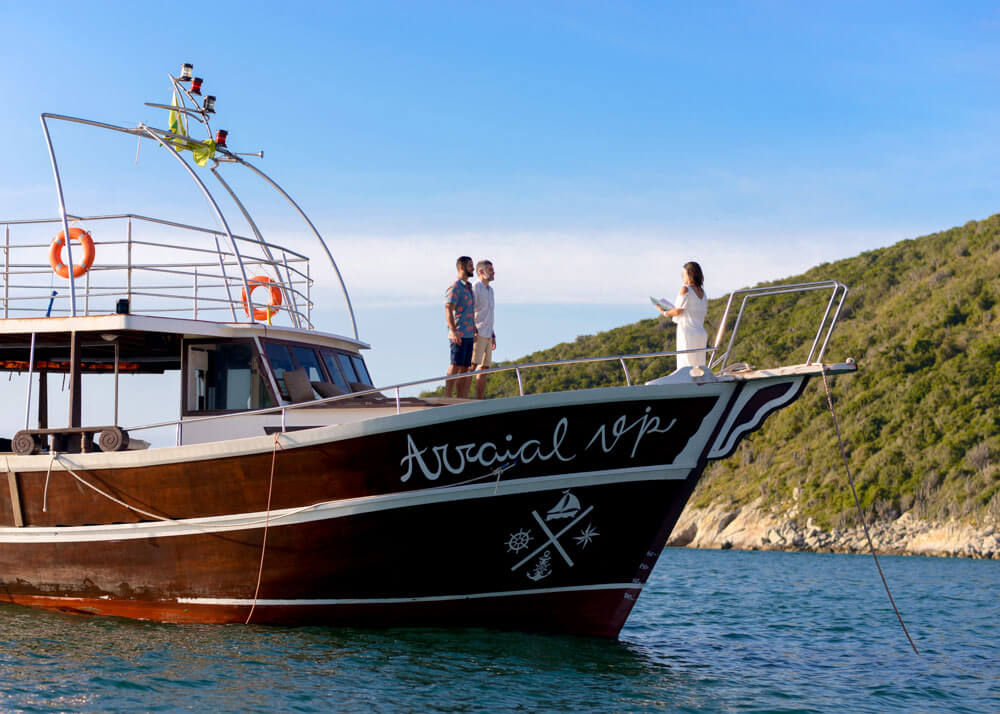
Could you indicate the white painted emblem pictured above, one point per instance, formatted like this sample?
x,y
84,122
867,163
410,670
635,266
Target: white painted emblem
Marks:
x,y
568,506
586,536
543,568
518,541
540,558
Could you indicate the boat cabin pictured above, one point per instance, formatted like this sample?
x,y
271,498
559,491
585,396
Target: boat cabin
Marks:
x,y
223,368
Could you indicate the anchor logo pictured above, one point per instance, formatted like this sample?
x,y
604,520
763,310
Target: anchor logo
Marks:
x,y
569,506
543,567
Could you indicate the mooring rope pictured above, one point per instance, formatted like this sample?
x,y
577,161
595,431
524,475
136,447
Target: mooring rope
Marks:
x,y
45,491
861,513
499,472
267,522
55,457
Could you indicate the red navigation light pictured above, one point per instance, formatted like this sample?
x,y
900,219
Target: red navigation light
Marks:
x,y
185,72
209,105
196,85
220,138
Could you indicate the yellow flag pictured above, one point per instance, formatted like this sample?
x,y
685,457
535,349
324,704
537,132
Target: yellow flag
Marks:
x,y
202,151
177,124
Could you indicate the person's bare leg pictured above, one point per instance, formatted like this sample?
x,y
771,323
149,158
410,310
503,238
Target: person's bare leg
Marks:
x,y
464,383
452,385
480,384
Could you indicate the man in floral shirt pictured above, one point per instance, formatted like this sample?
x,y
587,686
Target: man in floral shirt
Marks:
x,y
459,308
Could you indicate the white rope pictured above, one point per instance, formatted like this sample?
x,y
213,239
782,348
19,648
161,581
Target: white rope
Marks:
x,y
45,492
267,518
103,493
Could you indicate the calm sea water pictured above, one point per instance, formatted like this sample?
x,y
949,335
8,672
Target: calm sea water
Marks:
x,y
713,631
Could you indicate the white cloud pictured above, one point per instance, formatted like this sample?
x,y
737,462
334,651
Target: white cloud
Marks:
x,y
562,268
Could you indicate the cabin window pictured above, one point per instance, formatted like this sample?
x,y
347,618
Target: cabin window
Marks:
x,y
342,368
330,358
306,357
225,377
281,362
347,367
361,370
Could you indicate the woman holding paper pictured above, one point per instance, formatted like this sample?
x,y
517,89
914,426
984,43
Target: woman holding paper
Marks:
x,y
689,314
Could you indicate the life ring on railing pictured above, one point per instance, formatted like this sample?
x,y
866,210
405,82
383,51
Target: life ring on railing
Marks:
x,y
275,293
55,253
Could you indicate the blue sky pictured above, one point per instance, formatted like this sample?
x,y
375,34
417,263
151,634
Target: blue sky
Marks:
x,y
588,148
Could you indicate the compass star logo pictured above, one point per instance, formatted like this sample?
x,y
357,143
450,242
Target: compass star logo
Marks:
x,y
586,536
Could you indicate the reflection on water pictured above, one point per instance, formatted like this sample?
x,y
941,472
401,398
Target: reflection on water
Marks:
x,y
714,630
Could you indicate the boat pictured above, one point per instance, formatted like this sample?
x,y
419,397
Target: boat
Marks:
x,y
290,488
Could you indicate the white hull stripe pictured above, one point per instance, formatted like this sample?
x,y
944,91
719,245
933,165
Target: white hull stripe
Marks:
x,y
335,509
264,602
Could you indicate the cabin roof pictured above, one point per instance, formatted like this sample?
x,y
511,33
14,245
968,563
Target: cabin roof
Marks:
x,y
145,343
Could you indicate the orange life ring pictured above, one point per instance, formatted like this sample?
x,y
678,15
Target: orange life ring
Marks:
x,y
275,293
55,253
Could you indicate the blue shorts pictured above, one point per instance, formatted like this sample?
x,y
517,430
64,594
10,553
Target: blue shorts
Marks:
x,y
461,355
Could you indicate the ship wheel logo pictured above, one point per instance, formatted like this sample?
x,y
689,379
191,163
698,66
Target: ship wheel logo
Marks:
x,y
518,541
538,563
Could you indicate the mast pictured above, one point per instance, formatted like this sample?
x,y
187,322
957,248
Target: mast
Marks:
x,y
188,104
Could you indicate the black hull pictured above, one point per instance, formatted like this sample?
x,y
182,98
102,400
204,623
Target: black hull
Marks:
x,y
561,540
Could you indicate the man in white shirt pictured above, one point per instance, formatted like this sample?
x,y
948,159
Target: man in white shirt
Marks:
x,y
486,338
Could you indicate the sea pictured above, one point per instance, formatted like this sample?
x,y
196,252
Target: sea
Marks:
x,y
713,631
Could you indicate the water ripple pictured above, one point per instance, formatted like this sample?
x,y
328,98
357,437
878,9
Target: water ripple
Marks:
x,y
713,631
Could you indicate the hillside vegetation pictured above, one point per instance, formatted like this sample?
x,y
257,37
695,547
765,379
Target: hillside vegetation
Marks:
x,y
921,417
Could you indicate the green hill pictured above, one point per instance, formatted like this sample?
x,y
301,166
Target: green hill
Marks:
x,y
921,417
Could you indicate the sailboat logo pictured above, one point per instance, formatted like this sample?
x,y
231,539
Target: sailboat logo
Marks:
x,y
568,507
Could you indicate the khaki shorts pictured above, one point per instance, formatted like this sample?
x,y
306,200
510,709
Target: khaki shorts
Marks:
x,y
482,352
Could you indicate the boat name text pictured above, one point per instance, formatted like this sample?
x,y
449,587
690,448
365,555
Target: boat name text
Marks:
x,y
433,461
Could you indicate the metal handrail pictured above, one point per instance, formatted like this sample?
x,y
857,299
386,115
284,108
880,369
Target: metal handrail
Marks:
x,y
826,323
148,219
284,408
826,326
199,282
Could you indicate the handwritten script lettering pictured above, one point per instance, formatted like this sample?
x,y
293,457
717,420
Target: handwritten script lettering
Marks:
x,y
454,459
645,424
434,461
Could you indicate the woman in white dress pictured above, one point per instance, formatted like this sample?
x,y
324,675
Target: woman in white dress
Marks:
x,y
689,314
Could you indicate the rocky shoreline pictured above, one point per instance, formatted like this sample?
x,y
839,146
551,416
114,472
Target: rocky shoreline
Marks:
x,y
751,527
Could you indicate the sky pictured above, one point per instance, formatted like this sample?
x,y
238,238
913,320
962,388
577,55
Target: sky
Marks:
x,y
588,148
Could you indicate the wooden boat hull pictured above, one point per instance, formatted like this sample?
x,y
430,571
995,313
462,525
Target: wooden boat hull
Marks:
x,y
544,512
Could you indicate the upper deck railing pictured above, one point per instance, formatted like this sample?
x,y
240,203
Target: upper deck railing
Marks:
x,y
161,267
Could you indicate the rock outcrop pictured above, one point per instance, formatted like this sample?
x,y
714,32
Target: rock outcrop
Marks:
x,y
752,527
